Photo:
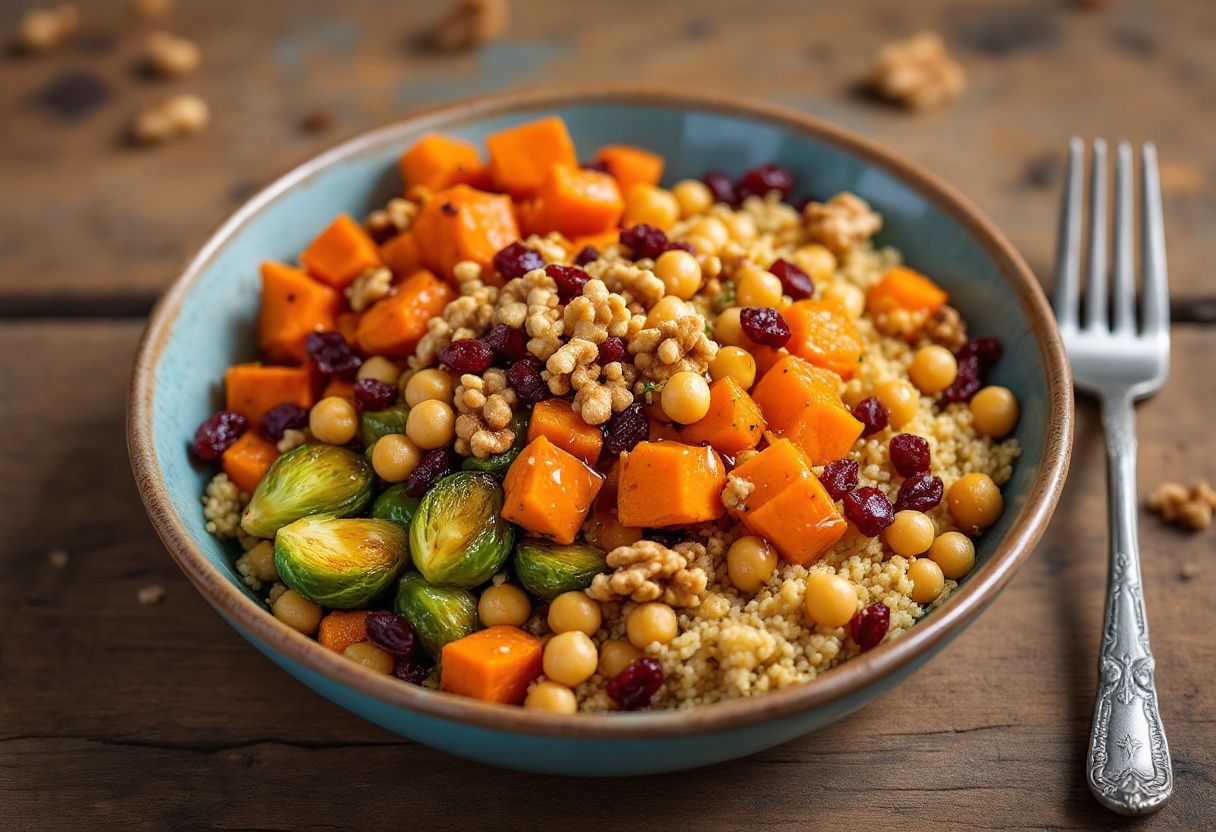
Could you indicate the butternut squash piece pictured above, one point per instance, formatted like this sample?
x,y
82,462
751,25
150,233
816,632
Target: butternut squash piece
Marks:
x,y
437,162
520,156
402,254
393,325
340,253
556,420
293,305
248,459
801,521
347,325
549,491
252,389
733,422
494,665
802,402
463,223
574,201
339,388
631,165
598,241
340,629
771,471
661,431
822,333
766,357
670,484
903,288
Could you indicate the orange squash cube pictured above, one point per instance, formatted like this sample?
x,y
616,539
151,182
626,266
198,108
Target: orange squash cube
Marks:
x,y
394,325
463,223
549,491
340,629
801,402
670,484
340,253
437,162
252,389
556,420
631,165
822,333
402,254
575,202
520,156
801,521
733,422
494,665
293,305
771,471
247,460
904,288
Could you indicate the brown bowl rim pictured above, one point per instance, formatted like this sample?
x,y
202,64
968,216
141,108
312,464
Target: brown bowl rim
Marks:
x,y
838,684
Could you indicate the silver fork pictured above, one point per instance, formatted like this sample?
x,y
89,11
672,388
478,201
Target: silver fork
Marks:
x,y
1113,359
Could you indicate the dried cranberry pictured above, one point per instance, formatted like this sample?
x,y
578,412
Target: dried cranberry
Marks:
x,y
516,260
764,325
796,283
411,671
570,280
626,429
909,454
720,185
433,467
332,354
669,536
760,180
525,379
373,394
281,417
801,202
679,245
869,625
872,415
986,348
976,358
217,434
586,254
644,241
612,349
392,633
509,344
840,477
636,685
869,509
919,492
468,355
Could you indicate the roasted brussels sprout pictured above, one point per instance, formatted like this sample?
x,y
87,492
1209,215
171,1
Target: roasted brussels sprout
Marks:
x,y
395,505
439,613
547,569
341,563
376,423
499,463
310,479
458,536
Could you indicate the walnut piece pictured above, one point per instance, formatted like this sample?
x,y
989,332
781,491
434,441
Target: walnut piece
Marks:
x,y
736,492
671,347
918,73
842,223
946,327
485,405
470,23
596,314
649,571
1190,507
468,316
640,288
531,302
396,216
369,287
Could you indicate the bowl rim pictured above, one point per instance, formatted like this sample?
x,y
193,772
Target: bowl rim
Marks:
x,y
834,686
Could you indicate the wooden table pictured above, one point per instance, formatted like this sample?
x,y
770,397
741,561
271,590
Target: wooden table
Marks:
x,y
119,715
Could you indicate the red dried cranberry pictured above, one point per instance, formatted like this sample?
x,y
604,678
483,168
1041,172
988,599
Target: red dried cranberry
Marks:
x,y
411,671
720,185
760,180
281,417
612,349
392,633
967,382
433,467
919,492
909,454
840,477
869,625
679,245
217,434
373,394
872,415
796,283
525,379
332,355
516,260
764,325
509,344
570,280
626,429
644,241
586,254
986,348
468,355
869,509
636,685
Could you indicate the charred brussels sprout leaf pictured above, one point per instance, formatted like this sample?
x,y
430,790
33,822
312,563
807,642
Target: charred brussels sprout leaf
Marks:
x,y
340,563
376,423
548,569
499,463
439,613
308,480
458,536
395,505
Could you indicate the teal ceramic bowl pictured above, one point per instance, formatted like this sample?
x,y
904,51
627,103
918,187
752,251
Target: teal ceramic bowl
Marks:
x,y
206,322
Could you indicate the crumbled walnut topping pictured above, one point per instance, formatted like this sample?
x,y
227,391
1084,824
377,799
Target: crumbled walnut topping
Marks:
x,y
293,438
897,322
485,405
639,287
470,23
596,314
369,287
671,347
531,302
649,571
918,73
736,492
841,223
946,327
551,247
599,391
396,216
1190,507
468,316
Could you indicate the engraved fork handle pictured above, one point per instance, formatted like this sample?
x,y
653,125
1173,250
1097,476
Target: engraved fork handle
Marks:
x,y
1128,766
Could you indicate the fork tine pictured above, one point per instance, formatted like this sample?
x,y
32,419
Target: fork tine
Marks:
x,y
1068,254
1095,280
1124,277
1156,284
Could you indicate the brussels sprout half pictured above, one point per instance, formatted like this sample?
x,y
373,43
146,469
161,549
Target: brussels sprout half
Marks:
x,y
376,423
340,563
395,505
548,569
439,613
499,463
310,479
458,536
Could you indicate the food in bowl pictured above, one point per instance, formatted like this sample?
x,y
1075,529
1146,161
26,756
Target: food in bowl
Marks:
x,y
550,434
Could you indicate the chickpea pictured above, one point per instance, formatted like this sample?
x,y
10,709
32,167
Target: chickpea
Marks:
x,y
727,329
379,368
712,229
650,205
370,656
616,655
900,399
333,420
680,273
704,247
927,580
609,532
975,502
854,391
994,411
750,562
933,369
297,612
394,456
685,397
693,197
816,260
830,599
551,697
503,604
741,227
431,424
735,363
954,553
669,308
910,533
757,287
651,622
847,295
428,384
570,658
574,611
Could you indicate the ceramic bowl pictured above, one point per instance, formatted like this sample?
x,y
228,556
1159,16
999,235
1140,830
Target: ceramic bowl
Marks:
x,y
206,321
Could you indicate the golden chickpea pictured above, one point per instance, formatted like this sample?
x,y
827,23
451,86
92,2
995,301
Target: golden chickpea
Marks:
x,y
297,612
735,363
394,456
975,502
727,329
685,397
570,658
757,287
333,420
428,384
830,599
370,656
741,227
994,411
669,308
574,611
704,247
954,553
847,295
927,580
503,604
713,230
431,424
910,533
933,369
551,697
651,622
693,197
816,260
379,368
680,273
616,655
900,399
650,205
854,391
750,562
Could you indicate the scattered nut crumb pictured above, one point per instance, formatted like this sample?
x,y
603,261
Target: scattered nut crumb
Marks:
x,y
1188,571
318,121
42,29
918,73
169,55
1190,507
173,118
151,594
58,558
152,9
469,24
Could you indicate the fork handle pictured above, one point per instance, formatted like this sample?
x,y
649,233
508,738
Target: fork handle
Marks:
x,y
1128,766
